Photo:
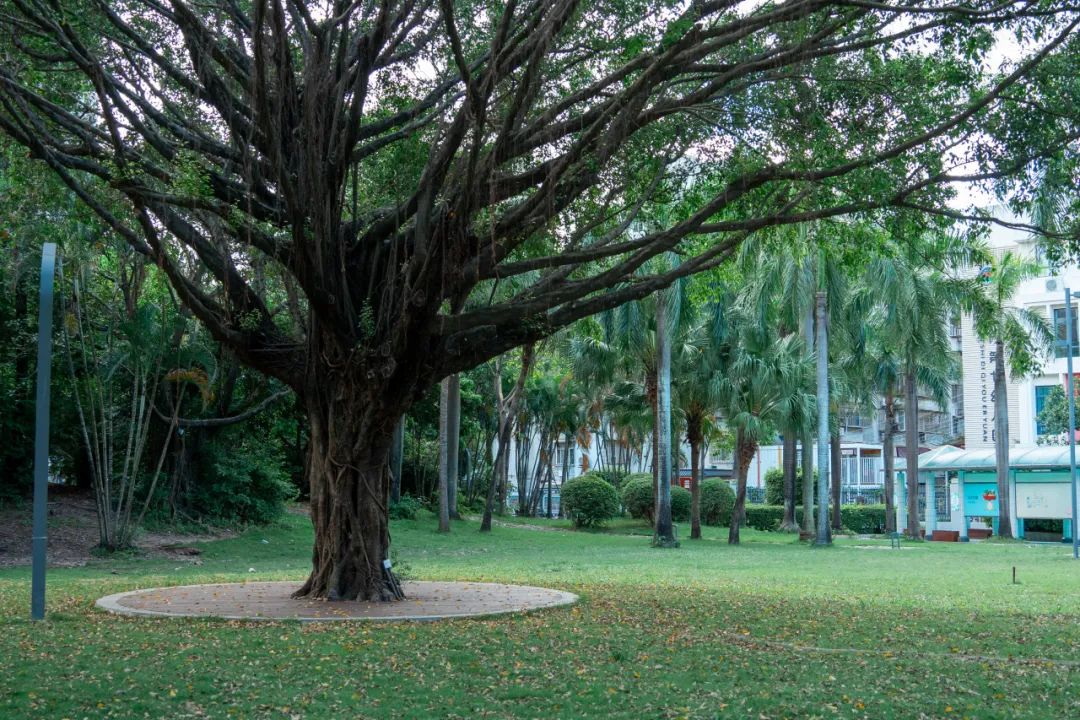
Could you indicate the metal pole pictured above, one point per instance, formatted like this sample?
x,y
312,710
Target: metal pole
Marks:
x,y
40,536
1072,417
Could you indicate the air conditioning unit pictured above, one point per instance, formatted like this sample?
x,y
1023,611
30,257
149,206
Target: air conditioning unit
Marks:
x,y
1052,285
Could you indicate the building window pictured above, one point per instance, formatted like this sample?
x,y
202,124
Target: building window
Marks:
x,y
1041,258
561,450
1041,393
1059,330
941,499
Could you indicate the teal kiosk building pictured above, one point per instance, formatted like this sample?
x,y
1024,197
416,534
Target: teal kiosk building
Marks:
x,y
958,491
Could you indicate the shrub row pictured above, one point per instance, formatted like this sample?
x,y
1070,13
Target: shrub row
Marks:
x,y
637,498
717,500
859,519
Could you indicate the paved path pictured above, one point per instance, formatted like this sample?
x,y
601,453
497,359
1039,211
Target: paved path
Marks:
x,y
272,601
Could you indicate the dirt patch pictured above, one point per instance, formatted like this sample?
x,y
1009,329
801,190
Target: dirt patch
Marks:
x,y
73,534
274,601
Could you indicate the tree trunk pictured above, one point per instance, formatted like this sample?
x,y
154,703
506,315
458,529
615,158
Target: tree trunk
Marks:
x,y
834,469
522,447
808,524
1001,441
349,474
790,463
444,455
823,424
888,453
744,452
651,396
911,440
502,437
693,436
664,535
550,487
397,456
453,443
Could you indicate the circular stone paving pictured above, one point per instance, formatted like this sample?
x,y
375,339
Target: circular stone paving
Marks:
x,y
273,601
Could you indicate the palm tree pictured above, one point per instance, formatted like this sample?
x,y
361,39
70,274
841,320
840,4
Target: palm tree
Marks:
x,y
698,398
787,270
1020,336
778,283
876,369
761,380
913,302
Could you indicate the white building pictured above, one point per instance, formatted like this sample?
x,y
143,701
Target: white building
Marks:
x,y
1045,294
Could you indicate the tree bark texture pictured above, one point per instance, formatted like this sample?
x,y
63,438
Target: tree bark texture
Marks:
x,y
744,453
664,535
888,452
1001,441
349,474
694,438
444,455
808,522
651,394
823,423
911,440
453,442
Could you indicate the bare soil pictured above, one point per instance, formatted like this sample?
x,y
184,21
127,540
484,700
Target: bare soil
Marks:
x,y
274,600
73,534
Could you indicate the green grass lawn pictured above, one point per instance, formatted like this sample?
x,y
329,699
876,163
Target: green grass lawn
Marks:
x,y
768,629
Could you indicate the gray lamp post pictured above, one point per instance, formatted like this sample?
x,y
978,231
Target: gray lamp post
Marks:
x,y
1072,418
40,536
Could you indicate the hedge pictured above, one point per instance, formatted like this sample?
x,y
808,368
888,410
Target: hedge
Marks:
x,y
637,498
859,519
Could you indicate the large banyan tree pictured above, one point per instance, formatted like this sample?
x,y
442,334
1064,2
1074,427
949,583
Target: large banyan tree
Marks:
x,y
359,197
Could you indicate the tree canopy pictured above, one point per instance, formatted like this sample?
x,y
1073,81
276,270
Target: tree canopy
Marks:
x,y
340,191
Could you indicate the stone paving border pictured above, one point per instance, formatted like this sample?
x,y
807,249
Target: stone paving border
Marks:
x,y
271,601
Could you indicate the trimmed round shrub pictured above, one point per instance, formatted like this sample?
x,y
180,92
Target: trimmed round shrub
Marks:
x,y
717,502
637,498
589,500
637,492
680,504
615,477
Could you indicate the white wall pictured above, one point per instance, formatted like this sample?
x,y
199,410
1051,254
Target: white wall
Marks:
x,y
1043,294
